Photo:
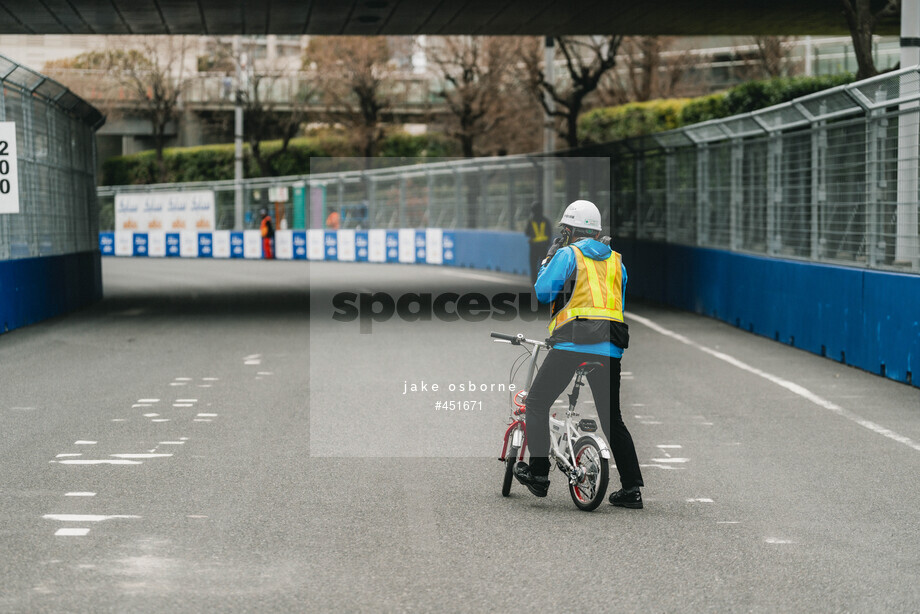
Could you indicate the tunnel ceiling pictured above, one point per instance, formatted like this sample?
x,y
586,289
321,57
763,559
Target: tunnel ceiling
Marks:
x,y
394,17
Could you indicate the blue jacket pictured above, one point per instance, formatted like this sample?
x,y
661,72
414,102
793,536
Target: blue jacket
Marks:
x,y
551,281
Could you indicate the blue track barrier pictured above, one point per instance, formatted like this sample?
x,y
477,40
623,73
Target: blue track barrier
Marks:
x,y
863,318
478,249
34,289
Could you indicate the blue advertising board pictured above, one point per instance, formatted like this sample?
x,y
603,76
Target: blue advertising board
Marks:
x,y
330,245
173,249
361,246
236,245
205,245
140,243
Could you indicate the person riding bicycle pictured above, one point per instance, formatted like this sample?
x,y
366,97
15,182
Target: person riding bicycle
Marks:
x,y
586,326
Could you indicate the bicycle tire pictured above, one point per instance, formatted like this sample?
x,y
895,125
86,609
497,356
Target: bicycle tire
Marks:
x,y
510,461
589,493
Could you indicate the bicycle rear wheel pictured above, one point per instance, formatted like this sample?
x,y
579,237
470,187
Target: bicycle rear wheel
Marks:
x,y
588,492
511,457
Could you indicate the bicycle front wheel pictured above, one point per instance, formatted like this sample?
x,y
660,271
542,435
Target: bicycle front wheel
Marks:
x,y
589,490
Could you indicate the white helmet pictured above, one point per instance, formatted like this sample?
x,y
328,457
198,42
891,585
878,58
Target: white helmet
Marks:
x,y
582,214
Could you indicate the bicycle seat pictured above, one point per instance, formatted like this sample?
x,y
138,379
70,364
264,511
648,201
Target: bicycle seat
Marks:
x,y
587,367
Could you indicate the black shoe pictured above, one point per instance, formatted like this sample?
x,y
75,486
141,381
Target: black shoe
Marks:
x,y
630,498
537,484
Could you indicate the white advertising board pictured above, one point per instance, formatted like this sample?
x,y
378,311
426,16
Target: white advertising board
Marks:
x,y
284,245
316,249
346,241
167,211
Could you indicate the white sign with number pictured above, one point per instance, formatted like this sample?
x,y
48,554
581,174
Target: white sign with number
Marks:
x,y
9,169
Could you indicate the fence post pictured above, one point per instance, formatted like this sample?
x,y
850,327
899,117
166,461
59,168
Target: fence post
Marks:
x,y
818,184
640,168
774,191
402,201
702,194
458,198
30,184
874,134
670,184
736,197
371,201
429,177
512,209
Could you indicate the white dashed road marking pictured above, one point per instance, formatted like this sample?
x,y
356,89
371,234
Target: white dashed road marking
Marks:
x,y
790,386
71,532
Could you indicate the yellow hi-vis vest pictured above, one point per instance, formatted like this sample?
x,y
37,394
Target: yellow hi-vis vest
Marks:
x,y
539,232
598,293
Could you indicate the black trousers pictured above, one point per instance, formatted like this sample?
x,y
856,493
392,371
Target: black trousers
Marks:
x,y
553,377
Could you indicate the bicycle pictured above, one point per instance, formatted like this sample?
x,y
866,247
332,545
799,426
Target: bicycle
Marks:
x,y
579,454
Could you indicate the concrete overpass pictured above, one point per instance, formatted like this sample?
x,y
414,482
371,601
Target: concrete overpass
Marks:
x,y
394,17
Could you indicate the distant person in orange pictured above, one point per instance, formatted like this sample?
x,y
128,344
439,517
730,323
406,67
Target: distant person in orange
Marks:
x,y
333,221
268,234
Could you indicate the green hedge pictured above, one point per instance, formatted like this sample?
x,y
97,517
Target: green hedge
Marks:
x,y
215,162
629,120
637,119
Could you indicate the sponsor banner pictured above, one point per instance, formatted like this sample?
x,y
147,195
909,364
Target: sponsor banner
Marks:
x,y
392,243
205,245
330,241
300,245
107,243
284,245
406,245
420,246
377,245
236,245
346,240
316,250
173,245
448,243
252,244
188,244
124,243
139,244
156,244
221,243
433,246
166,211
361,245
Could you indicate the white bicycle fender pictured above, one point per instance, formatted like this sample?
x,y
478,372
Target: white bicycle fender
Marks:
x,y
605,450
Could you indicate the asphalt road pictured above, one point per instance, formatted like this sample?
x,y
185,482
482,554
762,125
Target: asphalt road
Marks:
x,y
210,439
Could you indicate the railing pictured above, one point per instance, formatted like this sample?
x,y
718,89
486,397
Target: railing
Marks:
x,y
56,147
486,193
831,177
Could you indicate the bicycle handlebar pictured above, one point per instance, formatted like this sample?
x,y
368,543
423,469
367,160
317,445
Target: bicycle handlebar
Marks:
x,y
518,339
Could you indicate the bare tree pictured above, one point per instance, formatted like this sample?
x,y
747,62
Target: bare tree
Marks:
x,y
651,70
154,73
772,53
586,60
354,74
475,73
862,22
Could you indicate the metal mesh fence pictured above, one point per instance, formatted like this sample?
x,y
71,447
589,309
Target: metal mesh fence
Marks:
x,y
484,193
829,177
55,136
